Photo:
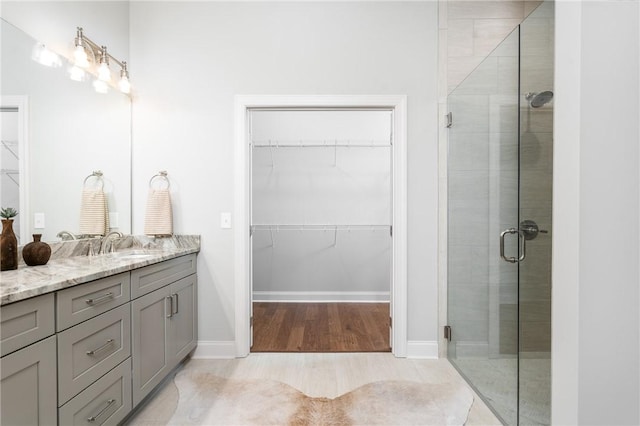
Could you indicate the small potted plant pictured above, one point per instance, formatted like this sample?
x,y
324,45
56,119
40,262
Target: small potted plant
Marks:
x,y
8,240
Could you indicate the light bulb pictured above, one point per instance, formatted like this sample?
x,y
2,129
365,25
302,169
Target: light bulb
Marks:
x,y
77,74
80,57
45,57
104,73
100,86
124,85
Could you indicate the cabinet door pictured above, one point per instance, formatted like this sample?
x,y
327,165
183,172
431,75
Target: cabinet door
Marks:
x,y
151,359
28,385
183,330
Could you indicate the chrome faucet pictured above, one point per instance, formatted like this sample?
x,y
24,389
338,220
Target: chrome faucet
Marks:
x,y
66,235
106,239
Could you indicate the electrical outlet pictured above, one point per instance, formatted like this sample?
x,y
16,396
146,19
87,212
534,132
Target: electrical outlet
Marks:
x,y
38,220
225,220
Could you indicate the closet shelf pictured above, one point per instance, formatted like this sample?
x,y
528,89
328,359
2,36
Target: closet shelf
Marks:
x,y
322,144
316,227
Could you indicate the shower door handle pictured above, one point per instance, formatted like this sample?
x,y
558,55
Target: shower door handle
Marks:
x,y
522,239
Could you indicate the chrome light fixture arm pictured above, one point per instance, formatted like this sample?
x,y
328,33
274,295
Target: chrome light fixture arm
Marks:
x,y
104,57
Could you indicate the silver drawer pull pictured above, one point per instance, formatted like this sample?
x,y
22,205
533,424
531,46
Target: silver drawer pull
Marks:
x,y
94,418
103,347
99,299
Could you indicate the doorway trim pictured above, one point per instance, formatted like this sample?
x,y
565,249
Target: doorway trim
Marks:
x,y
242,246
21,102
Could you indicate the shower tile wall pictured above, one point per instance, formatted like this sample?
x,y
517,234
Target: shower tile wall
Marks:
x,y
473,29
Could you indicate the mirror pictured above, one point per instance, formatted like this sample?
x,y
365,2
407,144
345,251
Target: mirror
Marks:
x,y
55,133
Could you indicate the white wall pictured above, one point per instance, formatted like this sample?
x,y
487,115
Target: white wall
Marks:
x,y
596,321
190,59
54,22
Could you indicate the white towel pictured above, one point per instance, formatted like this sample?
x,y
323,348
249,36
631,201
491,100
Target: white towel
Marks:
x,y
159,217
94,212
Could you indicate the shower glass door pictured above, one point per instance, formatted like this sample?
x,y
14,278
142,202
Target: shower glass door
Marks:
x,y
483,203
499,224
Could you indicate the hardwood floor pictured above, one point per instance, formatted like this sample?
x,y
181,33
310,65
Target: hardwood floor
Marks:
x,y
320,327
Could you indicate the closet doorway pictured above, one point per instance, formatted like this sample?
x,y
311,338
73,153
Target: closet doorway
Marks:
x,y
324,205
321,229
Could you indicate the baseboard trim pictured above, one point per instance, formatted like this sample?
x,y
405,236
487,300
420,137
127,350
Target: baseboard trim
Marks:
x,y
321,296
423,349
210,349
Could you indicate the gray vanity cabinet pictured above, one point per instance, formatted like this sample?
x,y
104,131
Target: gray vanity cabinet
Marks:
x,y
117,338
29,385
163,324
28,365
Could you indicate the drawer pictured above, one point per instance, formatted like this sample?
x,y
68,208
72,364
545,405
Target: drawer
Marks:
x,y
106,402
90,349
25,322
152,277
85,301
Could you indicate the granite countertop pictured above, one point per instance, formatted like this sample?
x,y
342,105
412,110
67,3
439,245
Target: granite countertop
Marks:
x,y
63,272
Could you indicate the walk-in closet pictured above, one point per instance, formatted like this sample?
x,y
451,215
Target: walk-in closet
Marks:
x,y
321,235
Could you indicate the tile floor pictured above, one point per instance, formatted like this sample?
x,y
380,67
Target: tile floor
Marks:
x,y
497,380
315,374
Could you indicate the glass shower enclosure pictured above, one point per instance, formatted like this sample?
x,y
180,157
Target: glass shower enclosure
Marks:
x,y
499,224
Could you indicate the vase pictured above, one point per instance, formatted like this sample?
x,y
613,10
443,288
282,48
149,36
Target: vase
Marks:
x,y
37,252
8,247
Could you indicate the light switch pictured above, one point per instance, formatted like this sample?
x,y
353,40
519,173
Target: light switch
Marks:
x,y
225,220
38,220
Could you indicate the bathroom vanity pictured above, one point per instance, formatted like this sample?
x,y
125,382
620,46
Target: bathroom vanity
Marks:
x,y
85,339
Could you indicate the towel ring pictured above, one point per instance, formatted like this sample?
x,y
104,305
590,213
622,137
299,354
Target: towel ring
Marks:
x,y
161,175
96,174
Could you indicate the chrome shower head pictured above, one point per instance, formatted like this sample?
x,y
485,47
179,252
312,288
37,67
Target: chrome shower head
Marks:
x,y
536,100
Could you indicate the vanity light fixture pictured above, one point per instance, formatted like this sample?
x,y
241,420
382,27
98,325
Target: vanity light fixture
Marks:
x,y
87,51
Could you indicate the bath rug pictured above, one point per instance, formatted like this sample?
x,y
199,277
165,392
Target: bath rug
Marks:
x,y
206,399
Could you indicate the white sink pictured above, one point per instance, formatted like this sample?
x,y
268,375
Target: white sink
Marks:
x,y
132,254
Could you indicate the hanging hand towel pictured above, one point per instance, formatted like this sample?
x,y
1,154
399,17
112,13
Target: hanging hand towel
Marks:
x,y
159,217
94,212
